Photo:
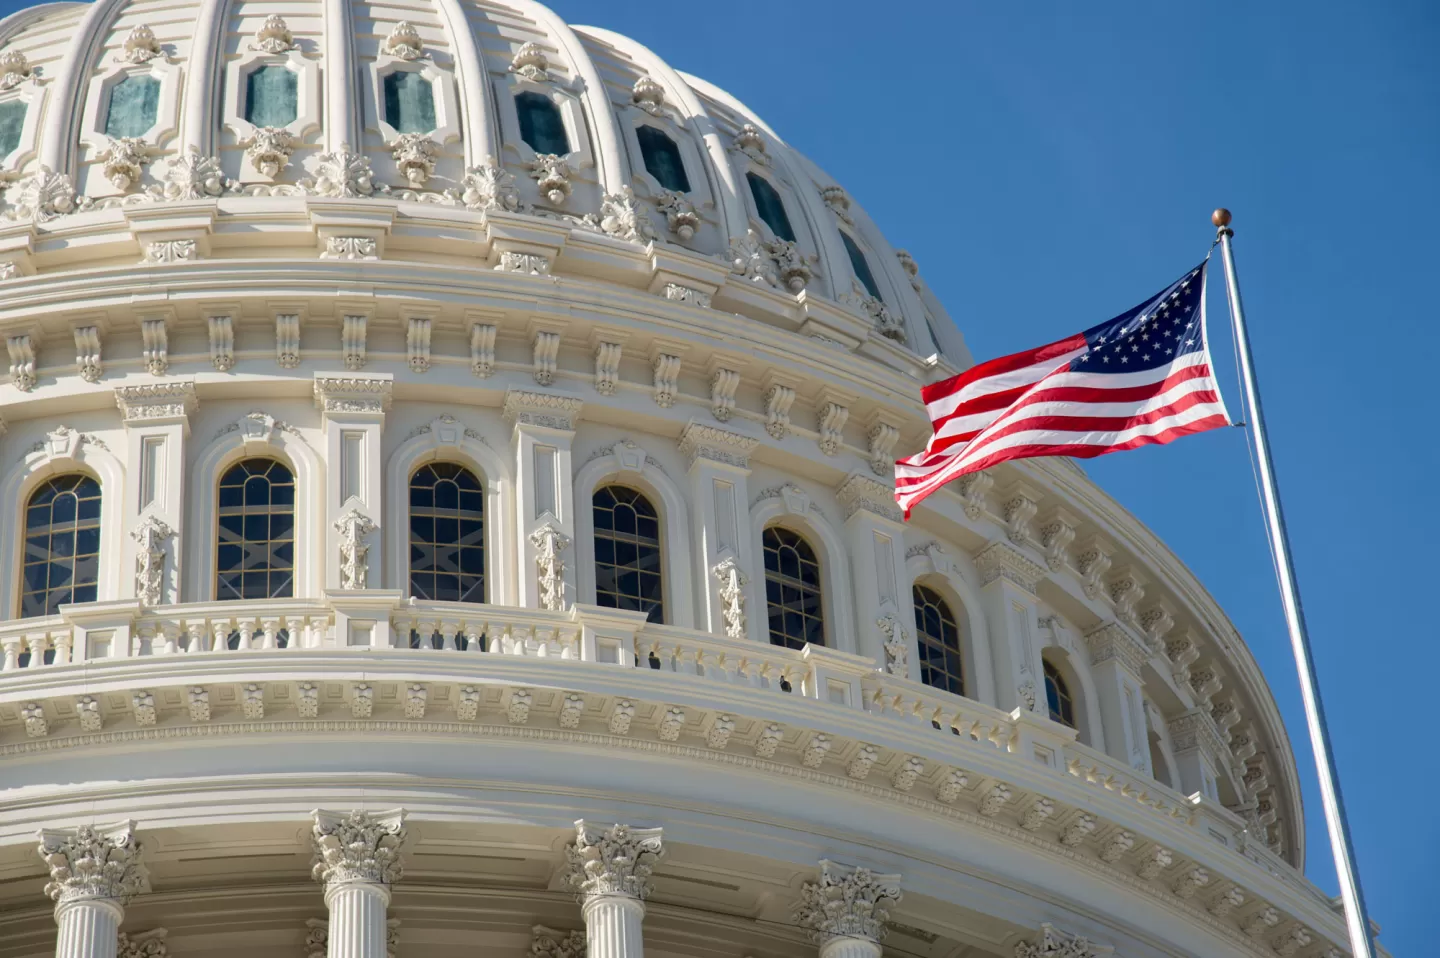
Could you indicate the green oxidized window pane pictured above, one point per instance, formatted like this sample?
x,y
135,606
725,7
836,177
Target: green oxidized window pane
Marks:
x,y
770,207
859,264
12,121
409,103
271,97
662,159
541,125
134,106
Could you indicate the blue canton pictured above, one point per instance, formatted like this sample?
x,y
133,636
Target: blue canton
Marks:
x,y
1150,335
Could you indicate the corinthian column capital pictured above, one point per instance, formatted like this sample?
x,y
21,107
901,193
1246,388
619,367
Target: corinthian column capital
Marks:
x,y
847,903
88,863
613,862
358,846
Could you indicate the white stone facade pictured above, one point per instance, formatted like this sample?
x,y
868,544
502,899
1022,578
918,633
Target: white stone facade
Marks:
x,y
536,769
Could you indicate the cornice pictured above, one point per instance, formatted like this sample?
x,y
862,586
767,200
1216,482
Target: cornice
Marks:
x,y
700,440
366,395
548,410
1001,560
1113,641
860,493
152,403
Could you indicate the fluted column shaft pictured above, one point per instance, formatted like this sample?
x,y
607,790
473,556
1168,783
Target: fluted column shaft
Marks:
x,y
88,928
357,919
849,948
613,926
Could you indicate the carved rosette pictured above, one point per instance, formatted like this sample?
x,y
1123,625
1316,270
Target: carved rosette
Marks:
x,y
847,903
490,187
343,174
192,176
88,863
44,195
617,861
122,160
621,216
358,847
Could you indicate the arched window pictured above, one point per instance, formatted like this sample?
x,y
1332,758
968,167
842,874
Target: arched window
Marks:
x,y
662,158
541,124
134,106
860,265
12,124
62,545
255,551
447,534
1057,696
939,642
770,207
792,590
409,102
271,96
627,552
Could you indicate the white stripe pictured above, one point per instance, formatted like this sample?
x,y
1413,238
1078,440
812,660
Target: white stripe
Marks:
x,y
1127,408
1119,380
1001,382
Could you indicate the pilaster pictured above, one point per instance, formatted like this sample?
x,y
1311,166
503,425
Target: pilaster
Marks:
x,y
352,411
719,469
543,430
875,536
157,425
1116,661
1008,579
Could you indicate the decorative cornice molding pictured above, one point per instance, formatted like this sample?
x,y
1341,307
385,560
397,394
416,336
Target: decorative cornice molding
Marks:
x,y
860,493
369,395
1113,641
1053,943
547,410
149,402
702,441
1001,560
1196,729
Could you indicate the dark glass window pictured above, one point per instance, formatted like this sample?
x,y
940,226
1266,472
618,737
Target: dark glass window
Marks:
x,y
860,265
627,552
12,124
939,645
792,590
541,124
62,545
271,96
662,158
409,102
770,207
447,534
255,551
134,106
1057,695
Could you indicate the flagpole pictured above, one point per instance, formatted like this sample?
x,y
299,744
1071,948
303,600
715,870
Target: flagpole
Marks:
x,y
1356,918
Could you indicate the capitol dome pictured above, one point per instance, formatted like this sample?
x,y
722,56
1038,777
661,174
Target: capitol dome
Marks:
x,y
446,460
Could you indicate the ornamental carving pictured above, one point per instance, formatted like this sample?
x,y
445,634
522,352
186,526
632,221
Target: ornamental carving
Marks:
x,y
1114,641
358,847
699,441
732,596
273,36
150,536
1000,560
353,527
351,248
269,150
404,42
552,176
860,493
550,543
415,155
166,252
89,863
192,176
687,295
15,69
546,943
490,187
886,323
122,160
44,195
838,200
648,96
514,261
140,46
342,174
847,903
542,409
531,63
616,861
751,143
621,216
144,944
749,260
681,217
1056,944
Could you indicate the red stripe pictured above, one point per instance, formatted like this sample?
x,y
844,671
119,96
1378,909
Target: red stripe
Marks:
x,y
1116,394
1003,364
1099,423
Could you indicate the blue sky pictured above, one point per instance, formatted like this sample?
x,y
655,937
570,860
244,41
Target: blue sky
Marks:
x,y
1051,164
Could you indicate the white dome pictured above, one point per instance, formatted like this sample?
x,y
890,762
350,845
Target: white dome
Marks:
x,y
523,343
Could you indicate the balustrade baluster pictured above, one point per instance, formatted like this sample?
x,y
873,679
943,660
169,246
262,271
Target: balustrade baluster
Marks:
x,y
63,642
448,628
11,661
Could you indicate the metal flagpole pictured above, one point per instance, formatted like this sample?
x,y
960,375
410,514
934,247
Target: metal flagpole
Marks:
x,y
1356,918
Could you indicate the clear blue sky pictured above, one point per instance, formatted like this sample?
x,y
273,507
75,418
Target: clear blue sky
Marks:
x,y
1051,163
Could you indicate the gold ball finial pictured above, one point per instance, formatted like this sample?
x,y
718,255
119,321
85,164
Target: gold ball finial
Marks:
x,y
1221,218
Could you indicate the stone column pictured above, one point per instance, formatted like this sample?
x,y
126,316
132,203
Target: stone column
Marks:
x,y
1008,581
845,911
157,423
544,426
611,871
884,606
358,859
352,408
93,873
1116,660
720,528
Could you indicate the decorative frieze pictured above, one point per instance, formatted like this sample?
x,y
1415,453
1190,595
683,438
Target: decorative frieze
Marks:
x,y
1053,943
847,902
166,252
367,395
1000,560
701,441
547,410
1113,641
617,861
149,402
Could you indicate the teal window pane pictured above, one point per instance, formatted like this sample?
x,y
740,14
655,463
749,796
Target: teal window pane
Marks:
x,y
12,121
662,159
770,207
860,265
271,97
409,103
134,106
541,125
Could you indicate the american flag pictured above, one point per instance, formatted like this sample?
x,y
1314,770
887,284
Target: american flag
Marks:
x,y
1142,378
